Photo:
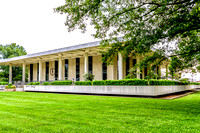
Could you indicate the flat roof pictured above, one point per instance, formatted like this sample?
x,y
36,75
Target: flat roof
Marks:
x,y
55,51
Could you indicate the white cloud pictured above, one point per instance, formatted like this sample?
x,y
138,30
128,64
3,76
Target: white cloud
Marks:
x,y
35,26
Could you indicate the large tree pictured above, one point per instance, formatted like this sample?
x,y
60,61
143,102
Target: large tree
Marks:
x,y
170,27
9,51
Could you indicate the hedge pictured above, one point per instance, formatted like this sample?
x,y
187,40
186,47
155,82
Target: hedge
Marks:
x,y
3,83
34,83
46,83
121,82
163,82
61,82
83,83
137,82
194,83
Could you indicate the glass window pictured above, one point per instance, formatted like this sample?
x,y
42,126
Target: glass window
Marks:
x,y
104,71
47,71
134,62
127,66
145,71
31,72
90,64
77,69
37,71
66,69
56,70
157,70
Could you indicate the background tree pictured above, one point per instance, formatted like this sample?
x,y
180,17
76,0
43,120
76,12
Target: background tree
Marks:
x,y
175,66
169,26
9,51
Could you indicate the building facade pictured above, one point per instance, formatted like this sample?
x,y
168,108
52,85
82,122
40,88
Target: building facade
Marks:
x,y
71,63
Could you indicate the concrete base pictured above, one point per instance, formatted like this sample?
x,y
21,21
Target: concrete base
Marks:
x,y
112,90
2,87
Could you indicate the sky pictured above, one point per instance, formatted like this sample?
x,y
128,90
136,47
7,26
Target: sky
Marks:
x,y
34,25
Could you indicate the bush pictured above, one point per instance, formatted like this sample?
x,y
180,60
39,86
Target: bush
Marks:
x,y
194,83
34,83
46,83
10,86
83,83
163,82
121,82
98,82
61,82
88,77
3,83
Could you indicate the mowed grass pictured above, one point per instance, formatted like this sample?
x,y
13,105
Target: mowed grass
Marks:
x,y
45,112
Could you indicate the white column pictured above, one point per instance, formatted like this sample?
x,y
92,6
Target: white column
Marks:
x,y
60,74
159,70
86,63
143,75
10,73
138,69
28,73
120,65
40,70
167,71
24,72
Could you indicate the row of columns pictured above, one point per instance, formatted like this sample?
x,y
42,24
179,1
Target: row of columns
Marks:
x,y
120,68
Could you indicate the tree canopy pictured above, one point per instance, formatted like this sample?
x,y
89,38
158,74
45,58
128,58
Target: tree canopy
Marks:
x,y
170,27
9,51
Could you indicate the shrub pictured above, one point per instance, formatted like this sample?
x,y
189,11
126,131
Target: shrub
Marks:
x,y
10,86
3,83
34,83
61,82
83,83
163,82
121,82
46,83
88,77
99,82
194,83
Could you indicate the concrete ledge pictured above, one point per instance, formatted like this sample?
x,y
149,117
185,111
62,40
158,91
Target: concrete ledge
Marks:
x,y
2,87
112,90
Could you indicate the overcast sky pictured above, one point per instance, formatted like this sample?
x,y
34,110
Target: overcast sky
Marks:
x,y
34,25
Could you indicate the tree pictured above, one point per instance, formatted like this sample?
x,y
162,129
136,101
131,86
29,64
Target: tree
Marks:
x,y
9,51
143,24
175,66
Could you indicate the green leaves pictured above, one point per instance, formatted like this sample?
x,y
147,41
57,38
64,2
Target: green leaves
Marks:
x,y
142,25
10,51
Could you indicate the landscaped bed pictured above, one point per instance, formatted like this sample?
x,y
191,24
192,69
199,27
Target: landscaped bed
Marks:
x,y
44,112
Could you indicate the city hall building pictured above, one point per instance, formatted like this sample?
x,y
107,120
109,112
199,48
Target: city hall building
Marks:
x,y
71,63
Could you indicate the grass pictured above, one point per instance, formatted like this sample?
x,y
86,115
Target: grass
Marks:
x,y
44,112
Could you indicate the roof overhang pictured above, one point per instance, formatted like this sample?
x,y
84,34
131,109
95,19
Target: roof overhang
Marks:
x,y
66,52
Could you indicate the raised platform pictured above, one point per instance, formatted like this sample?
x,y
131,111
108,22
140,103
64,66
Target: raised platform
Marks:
x,y
112,90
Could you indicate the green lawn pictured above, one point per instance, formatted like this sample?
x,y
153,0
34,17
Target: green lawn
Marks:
x,y
44,112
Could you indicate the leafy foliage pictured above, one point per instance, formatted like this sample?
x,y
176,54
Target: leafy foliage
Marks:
x,y
34,83
61,82
46,83
10,51
10,86
83,83
174,66
88,77
169,27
